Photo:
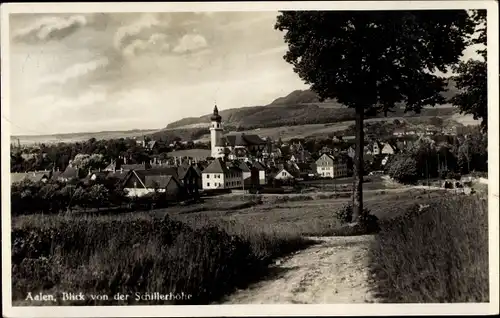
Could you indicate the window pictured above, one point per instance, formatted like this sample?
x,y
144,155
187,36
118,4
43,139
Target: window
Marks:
x,y
208,184
283,173
208,176
227,184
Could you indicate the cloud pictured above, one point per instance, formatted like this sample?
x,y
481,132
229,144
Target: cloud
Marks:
x,y
55,104
128,33
190,42
50,28
157,43
75,71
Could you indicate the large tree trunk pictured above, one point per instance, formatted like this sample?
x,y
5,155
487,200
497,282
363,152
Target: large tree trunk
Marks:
x,y
357,204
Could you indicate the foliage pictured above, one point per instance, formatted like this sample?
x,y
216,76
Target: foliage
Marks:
x,y
387,55
403,169
367,222
473,153
149,254
434,255
472,80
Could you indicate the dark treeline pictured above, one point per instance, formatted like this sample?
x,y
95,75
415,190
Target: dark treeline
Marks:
x,y
28,197
58,156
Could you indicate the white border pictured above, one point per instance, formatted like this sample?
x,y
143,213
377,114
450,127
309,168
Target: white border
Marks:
x,y
257,310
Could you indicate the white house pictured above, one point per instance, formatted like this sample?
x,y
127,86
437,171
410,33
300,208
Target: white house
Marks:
x,y
142,182
219,176
331,167
283,174
388,149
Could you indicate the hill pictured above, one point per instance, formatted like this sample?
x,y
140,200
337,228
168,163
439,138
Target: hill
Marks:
x,y
301,107
77,137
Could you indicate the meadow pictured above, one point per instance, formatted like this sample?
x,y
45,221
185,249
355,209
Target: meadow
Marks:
x,y
439,255
226,242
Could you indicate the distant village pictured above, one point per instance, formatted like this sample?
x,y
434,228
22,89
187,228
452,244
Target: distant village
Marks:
x,y
234,162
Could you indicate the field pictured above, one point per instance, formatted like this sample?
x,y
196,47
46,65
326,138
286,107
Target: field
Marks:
x,y
209,248
317,130
438,256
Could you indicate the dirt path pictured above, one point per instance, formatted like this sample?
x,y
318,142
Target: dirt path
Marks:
x,y
333,271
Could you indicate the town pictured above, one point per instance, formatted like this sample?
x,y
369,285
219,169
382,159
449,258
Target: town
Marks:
x,y
247,163
325,157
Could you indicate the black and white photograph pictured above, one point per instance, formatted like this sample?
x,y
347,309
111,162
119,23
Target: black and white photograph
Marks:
x,y
161,156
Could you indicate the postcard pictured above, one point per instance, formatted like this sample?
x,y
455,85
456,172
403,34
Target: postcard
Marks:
x,y
249,158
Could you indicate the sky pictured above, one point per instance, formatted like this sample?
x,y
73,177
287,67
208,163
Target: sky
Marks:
x,y
120,71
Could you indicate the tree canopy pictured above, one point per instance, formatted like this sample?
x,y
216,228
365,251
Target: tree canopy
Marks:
x,y
373,60
472,78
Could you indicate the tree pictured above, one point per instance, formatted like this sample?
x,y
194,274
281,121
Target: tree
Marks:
x,y
472,79
404,169
371,60
98,196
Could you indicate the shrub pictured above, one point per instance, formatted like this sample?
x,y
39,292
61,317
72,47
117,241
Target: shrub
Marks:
x,y
367,222
139,254
438,254
404,169
453,175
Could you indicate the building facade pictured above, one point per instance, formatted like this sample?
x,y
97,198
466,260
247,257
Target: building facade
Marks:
x,y
331,167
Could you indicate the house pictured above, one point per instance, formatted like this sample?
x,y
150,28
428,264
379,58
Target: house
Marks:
x,y
189,177
34,176
142,182
95,176
261,169
70,173
238,153
219,176
301,156
305,170
331,167
118,177
283,175
376,147
388,149
246,172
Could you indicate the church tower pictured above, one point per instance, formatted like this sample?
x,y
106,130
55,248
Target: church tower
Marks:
x,y
216,135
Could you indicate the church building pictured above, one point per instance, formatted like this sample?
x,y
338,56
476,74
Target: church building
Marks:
x,y
233,146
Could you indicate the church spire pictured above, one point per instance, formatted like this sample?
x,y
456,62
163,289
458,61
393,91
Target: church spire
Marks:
x,y
215,116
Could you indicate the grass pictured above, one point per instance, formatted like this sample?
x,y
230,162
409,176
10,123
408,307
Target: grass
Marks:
x,y
140,253
300,214
206,250
435,256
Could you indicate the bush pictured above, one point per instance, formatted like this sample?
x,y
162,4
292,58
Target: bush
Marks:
x,y
139,254
367,222
404,169
453,175
438,254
